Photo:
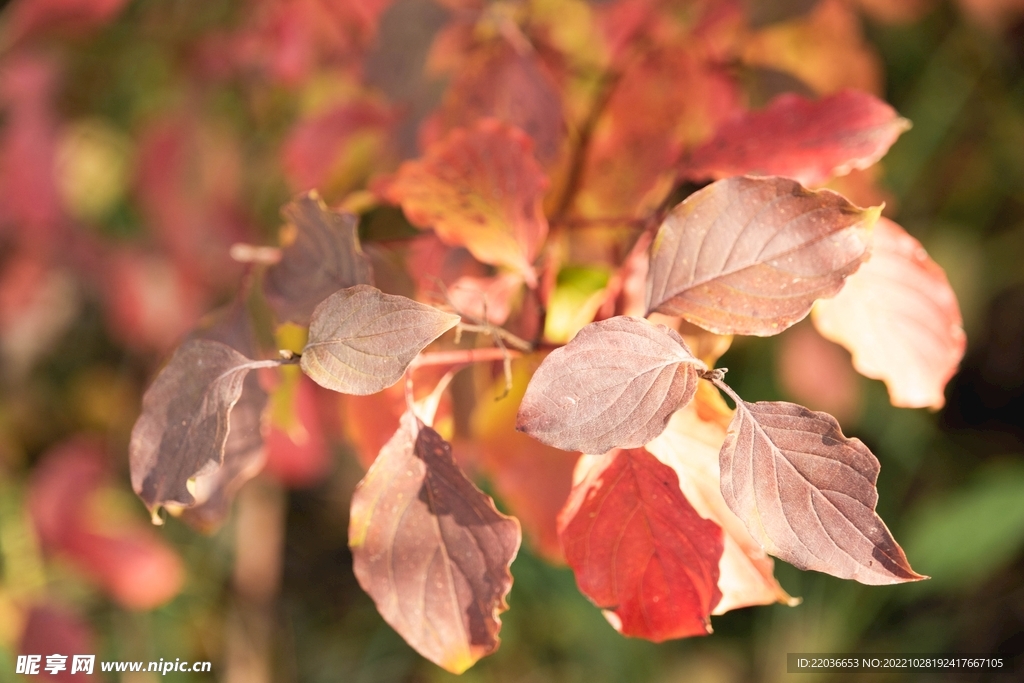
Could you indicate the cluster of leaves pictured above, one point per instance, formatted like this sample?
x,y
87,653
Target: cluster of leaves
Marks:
x,y
563,241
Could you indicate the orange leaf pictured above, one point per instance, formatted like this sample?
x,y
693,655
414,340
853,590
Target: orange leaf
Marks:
x,y
899,318
479,188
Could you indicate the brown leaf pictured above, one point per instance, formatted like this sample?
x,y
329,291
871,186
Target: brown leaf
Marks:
x,y
639,549
324,258
690,446
809,141
807,493
362,340
431,549
900,319
751,255
183,429
479,188
244,454
614,385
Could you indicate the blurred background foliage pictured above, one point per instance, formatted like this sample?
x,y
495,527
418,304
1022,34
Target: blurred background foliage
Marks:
x,y
140,139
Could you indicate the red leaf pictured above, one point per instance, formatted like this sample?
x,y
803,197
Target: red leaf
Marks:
x,y
807,493
533,479
51,629
482,189
751,255
499,81
809,141
690,446
29,199
614,385
127,561
26,17
431,549
900,319
311,154
639,549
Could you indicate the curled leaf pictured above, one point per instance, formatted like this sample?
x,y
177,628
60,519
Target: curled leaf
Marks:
x,y
809,141
900,319
639,549
431,549
807,493
362,340
615,385
183,428
751,255
324,257
479,188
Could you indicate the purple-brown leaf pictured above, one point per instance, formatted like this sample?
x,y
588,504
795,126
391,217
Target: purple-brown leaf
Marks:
x,y
807,493
362,340
615,385
431,549
324,257
751,255
244,453
184,425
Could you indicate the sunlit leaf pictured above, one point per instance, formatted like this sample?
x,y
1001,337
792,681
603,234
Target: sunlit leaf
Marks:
x,y
807,493
482,189
900,319
639,549
362,340
324,258
183,428
614,385
809,141
690,445
751,255
431,549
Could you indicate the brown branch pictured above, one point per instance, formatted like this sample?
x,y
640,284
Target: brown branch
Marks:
x,y
462,357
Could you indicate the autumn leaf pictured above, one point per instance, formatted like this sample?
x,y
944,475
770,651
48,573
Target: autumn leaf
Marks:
x,y
809,141
900,319
615,385
807,493
431,549
638,548
751,255
324,257
362,340
495,79
183,429
132,565
690,445
244,452
482,189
